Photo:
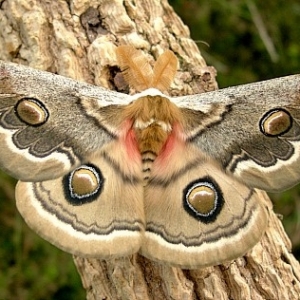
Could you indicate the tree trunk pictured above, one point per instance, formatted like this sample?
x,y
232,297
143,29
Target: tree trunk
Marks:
x,y
77,39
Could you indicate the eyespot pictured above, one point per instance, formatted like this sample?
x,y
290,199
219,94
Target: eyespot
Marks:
x,y
83,185
203,199
31,111
276,122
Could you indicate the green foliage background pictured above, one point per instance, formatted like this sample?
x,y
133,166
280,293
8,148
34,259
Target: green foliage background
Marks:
x,y
245,41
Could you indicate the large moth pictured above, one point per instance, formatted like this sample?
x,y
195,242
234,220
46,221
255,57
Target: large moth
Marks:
x,y
105,174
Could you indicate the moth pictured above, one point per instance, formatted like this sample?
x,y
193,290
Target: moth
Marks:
x,y
104,174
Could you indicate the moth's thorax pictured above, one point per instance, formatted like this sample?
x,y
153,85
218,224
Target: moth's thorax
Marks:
x,y
153,120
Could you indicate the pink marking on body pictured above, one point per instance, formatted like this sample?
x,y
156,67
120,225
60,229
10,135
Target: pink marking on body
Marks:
x,y
128,140
174,143
173,156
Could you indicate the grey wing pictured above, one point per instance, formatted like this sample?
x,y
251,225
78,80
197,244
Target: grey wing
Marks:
x,y
252,130
49,123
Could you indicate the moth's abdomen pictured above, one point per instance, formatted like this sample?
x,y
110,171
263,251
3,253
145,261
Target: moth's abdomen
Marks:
x,y
151,141
159,154
148,158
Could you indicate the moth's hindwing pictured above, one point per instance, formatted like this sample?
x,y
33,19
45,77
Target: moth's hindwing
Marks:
x,y
199,216
95,211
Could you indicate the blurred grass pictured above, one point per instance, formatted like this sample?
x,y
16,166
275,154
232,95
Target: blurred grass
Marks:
x,y
230,39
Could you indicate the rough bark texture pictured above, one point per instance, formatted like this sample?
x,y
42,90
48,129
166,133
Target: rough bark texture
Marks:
x,y
77,39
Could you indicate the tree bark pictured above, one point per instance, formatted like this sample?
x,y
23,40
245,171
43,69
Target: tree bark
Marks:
x,y
77,39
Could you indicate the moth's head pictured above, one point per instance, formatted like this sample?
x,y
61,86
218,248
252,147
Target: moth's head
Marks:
x,y
140,75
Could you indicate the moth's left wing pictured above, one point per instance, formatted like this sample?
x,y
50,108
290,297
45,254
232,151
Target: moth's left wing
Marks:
x,y
50,124
252,130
